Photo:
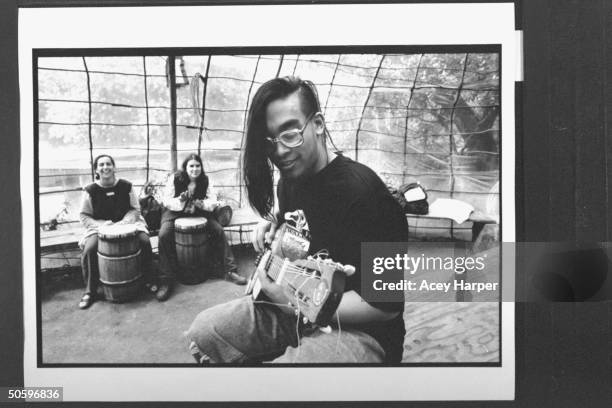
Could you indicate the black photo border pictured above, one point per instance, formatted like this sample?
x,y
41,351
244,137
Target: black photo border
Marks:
x,y
11,287
251,50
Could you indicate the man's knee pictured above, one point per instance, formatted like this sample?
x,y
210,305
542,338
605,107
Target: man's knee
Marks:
x,y
210,323
202,329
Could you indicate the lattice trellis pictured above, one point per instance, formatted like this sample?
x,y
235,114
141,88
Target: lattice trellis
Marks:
x,y
427,117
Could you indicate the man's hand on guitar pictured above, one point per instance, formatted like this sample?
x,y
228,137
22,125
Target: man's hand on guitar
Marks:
x,y
264,233
274,292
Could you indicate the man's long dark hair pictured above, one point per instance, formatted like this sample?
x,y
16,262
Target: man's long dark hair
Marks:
x,y
258,170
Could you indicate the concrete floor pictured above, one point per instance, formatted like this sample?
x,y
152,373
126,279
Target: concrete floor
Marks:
x,y
146,331
143,331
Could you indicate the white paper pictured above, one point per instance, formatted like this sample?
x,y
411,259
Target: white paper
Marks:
x,y
457,210
231,26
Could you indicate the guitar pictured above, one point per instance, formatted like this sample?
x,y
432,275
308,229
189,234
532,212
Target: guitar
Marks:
x,y
314,285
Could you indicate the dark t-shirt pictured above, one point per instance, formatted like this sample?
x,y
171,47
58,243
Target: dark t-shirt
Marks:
x,y
346,204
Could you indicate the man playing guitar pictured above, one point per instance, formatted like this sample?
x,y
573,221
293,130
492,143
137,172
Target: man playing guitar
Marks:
x,y
345,203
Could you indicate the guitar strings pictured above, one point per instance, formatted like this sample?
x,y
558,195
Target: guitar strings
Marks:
x,y
297,323
291,267
300,272
272,303
317,257
297,272
339,330
309,277
297,330
296,290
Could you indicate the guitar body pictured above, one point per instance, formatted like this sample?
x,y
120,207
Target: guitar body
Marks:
x,y
318,298
314,285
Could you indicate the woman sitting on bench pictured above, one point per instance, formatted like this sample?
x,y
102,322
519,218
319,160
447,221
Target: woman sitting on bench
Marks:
x,y
188,194
108,201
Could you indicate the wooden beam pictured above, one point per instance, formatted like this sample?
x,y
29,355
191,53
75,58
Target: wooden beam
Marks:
x,y
331,84
172,86
365,105
416,77
203,108
146,97
89,120
280,64
451,135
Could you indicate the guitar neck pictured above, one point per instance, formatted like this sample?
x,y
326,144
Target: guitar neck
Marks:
x,y
274,267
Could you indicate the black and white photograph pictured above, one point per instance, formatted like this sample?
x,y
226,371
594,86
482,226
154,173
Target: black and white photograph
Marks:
x,y
148,127
205,208
322,203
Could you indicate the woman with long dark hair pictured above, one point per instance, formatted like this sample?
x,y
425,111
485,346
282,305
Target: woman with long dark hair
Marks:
x,y
188,193
108,201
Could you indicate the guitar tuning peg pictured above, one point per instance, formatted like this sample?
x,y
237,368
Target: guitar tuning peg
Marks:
x,y
305,320
326,329
348,269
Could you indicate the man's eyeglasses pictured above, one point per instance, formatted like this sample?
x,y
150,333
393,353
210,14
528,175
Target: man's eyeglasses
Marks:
x,y
291,137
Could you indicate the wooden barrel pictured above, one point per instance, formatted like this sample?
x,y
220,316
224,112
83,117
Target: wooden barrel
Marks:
x,y
192,249
119,262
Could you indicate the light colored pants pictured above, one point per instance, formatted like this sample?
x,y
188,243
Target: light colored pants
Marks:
x,y
244,331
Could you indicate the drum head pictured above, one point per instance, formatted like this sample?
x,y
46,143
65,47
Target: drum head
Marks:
x,y
116,231
190,223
